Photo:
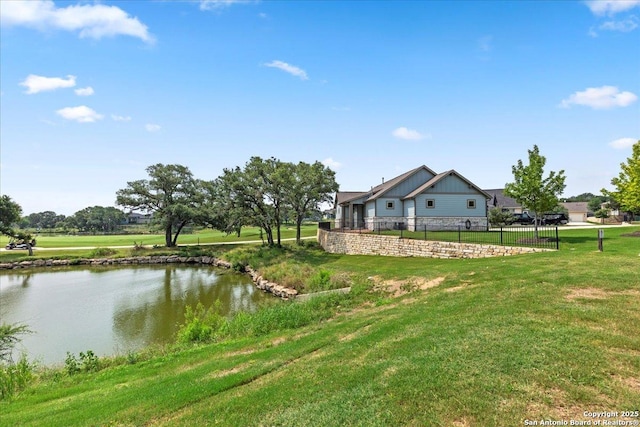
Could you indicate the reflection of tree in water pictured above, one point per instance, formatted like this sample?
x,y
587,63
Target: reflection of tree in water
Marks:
x,y
13,289
155,314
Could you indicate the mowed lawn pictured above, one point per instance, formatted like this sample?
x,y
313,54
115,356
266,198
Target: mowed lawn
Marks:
x,y
206,236
490,342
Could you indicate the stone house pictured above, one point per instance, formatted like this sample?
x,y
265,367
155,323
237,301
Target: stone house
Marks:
x,y
414,200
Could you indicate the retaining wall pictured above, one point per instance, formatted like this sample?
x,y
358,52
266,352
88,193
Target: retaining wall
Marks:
x,y
374,244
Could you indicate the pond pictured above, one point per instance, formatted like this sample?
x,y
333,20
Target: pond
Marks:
x,y
114,310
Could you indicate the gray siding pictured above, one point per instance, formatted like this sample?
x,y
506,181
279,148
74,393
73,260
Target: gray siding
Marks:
x,y
370,209
409,208
409,184
450,205
453,184
381,207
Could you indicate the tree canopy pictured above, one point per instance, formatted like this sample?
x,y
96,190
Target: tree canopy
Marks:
x,y
266,192
171,193
97,218
531,189
627,183
10,214
307,185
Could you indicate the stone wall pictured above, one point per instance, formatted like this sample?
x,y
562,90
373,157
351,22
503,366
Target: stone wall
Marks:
x,y
261,283
373,244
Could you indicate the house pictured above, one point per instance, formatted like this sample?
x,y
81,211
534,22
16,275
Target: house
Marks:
x,y
578,211
499,200
139,218
414,200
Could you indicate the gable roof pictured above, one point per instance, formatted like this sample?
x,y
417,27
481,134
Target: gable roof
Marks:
x,y
499,199
347,196
582,207
440,177
381,189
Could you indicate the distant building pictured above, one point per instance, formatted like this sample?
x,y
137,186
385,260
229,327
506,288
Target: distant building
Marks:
x,y
139,218
499,200
578,211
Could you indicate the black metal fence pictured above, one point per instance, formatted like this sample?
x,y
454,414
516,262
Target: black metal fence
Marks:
x,y
528,236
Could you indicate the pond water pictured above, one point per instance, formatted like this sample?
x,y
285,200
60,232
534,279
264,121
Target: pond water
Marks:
x,y
113,310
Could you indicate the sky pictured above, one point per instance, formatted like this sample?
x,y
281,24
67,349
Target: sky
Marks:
x,y
92,93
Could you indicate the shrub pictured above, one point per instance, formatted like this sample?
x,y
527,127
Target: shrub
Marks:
x,y
102,252
9,338
321,281
200,324
15,377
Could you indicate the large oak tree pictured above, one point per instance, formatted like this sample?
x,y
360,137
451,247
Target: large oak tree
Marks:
x,y
171,194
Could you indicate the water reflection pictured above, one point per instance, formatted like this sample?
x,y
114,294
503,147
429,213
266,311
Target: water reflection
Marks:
x,y
111,310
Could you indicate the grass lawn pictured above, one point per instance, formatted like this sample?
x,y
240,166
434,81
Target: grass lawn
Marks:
x,y
487,342
206,236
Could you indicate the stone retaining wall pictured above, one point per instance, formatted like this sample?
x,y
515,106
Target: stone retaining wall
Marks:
x,y
261,283
373,244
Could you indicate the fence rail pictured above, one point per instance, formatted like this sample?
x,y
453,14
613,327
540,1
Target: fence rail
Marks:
x,y
527,236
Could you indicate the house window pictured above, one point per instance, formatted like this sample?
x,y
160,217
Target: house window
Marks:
x,y
431,203
390,205
471,204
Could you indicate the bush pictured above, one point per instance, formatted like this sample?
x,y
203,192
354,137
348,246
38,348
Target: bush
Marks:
x,y
88,362
14,377
200,324
102,252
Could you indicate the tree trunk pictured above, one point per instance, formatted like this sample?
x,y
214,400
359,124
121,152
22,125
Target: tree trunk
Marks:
x,y
167,235
175,238
298,226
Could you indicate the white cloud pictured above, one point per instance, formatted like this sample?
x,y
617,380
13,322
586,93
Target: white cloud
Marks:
x,y
152,127
611,7
600,98
81,114
332,164
219,4
84,91
625,26
288,68
35,84
90,20
117,118
408,134
622,143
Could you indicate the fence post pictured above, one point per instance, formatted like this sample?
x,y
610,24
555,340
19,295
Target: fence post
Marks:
x,y
459,235
501,237
557,239
425,232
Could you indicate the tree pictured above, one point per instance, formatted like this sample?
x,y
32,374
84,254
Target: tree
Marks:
x,y
46,219
530,189
627,183
498,218
10,214
254,195
307,185
97,219
172,194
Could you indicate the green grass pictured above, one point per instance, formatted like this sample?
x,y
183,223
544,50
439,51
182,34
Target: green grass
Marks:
x,y
206,236
498,341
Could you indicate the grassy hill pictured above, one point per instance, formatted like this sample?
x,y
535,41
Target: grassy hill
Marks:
x,y
490,342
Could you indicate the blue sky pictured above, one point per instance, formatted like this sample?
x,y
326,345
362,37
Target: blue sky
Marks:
x,y
94,92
